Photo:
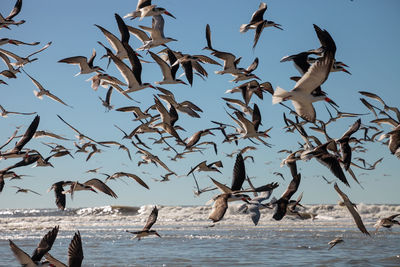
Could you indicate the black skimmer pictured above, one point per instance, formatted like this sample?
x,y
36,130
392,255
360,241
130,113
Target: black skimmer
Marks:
x,y
59,193
144,8
107,101
25,190
157,36
229,193
345,148
22,61
350,206
195,138
186,106
11,72
334,242
253,206
5,22
91,185
168,72
283,201
386,222
4,41
85,66
150,158
42,248
258,23
204,167
303,94
75,253
43,92
149,223
132,75
130,175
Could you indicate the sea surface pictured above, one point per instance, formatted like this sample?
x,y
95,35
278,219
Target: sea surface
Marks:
x,y
188,240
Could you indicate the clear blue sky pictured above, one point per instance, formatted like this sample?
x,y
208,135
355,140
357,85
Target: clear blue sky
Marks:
x,y
366,35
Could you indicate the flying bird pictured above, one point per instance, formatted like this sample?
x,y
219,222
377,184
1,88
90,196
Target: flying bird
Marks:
x,y
149,223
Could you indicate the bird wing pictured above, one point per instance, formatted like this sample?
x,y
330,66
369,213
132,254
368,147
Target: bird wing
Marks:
x,y
224,189
45,244
53,261
305,110
15,11
239,173
219,208
333,164
55,98
112,39
137,179
141,35
21,255
315,75
151,219
228,58
165,68
258,14
40,50
353,128
353,212
259,29
99,185
30,131
75,251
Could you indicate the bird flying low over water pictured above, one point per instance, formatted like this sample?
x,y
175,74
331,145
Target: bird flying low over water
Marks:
x,y
42,248
350,206
149,223
75,253
386,222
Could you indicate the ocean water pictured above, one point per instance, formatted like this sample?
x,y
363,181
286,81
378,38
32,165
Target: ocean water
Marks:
x,y
188,240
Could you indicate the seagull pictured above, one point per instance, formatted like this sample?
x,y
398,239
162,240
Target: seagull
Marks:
x,y
42,248
350,206
42,91
334,242
75,253
258,23
25,190
22,61
386,222
301,95
149,223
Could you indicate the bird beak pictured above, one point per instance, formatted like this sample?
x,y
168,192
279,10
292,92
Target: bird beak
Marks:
x,y
138,55
278,26
158,235
169,14
256,77
344,65
344,70
330,101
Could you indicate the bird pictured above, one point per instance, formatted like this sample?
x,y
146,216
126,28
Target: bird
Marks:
x,y
43,92
130,175
59,193
229,193
25,190
157,36
345,148
4,22
144,8
386,222
204,167
301,95
22,61
42,248
334,242
149,223
85,66
168,72
75,253
258,23
91,185
350,207
253,206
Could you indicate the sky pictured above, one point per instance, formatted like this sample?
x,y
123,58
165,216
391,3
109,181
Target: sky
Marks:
x,y
366,35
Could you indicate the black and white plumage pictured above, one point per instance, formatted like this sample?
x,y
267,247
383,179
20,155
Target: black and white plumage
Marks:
x,y
42,248
149,223
75,253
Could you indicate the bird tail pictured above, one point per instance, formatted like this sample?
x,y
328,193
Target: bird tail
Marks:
x,y
279,95
244,28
